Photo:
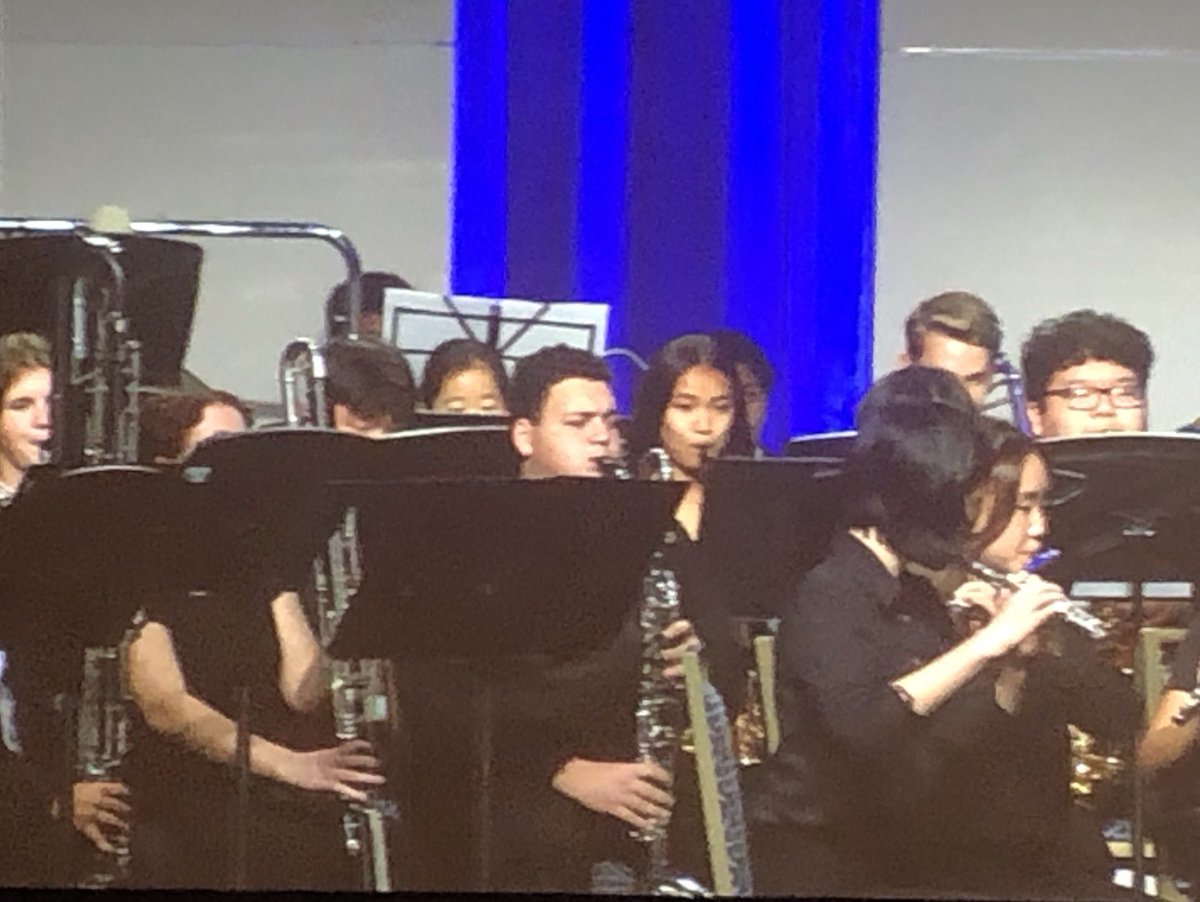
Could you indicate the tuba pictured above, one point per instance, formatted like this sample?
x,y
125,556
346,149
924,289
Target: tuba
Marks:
x,y
360,690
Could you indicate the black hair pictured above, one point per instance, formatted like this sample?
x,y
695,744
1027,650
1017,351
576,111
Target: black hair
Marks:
x,y
1008,448
919,452
741,348
371,378
536,374
372,285
958,314
1082,335
457,356
657,386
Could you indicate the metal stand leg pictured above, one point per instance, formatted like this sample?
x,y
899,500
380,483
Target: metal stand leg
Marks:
x,y
241,827
483,741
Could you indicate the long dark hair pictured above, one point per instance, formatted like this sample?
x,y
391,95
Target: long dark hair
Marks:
x,y
658,385
919,453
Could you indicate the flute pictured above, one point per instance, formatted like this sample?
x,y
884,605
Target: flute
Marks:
x,y
1076,613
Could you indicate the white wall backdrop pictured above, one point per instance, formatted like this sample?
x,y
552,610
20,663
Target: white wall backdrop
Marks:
x,y
1044,154
336,111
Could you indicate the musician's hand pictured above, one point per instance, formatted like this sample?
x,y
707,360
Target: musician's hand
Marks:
x,y
682,638
635,792
1019,615
344,769
98,810
1041,641
977,603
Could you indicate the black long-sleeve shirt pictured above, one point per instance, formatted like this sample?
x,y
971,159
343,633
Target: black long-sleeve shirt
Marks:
x,y
899,795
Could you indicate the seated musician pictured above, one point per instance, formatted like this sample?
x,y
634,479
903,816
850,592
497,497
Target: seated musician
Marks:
x,y
464,376
29,759
1086,373
186,667
173,425
571,791
1168,756
1011,826
958,332
689,404
878,694
755,374
369,387
337,306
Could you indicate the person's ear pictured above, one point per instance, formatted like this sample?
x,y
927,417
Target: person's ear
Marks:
x,y
522,436
1034,412
903,360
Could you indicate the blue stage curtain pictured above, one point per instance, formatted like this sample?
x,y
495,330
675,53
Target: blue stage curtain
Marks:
x,y
695,165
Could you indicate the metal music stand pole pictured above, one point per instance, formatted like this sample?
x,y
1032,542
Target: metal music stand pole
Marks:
x,y
241,763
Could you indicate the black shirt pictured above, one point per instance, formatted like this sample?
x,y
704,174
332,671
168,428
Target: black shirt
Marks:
x,y
899,796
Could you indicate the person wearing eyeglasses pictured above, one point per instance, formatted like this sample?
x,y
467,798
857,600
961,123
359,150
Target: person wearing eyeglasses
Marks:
x,y
1086,373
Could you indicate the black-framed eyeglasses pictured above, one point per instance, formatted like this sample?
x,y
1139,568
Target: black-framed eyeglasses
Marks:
x,y
1125,396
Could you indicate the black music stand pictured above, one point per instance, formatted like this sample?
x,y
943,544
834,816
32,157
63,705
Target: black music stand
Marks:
x,y
829,445
429,419
1127,509
161,281
1128,505
80,550
767,523
446,449
554,567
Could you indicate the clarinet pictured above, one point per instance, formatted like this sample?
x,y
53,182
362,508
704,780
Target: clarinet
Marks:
x,y
101,744
660,715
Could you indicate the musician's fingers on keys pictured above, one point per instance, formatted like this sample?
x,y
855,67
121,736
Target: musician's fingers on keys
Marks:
x,y
340,769
678,639
976,593
1023,612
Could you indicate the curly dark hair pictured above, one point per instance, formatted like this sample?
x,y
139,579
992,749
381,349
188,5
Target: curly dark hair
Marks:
x,y
457,356
657,385
164,420
539,372
1082,335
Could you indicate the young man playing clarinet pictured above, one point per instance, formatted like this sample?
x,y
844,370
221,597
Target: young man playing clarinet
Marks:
x,y
575,792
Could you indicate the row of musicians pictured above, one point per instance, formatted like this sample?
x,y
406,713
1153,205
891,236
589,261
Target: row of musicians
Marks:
x,y
563,413
568,788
